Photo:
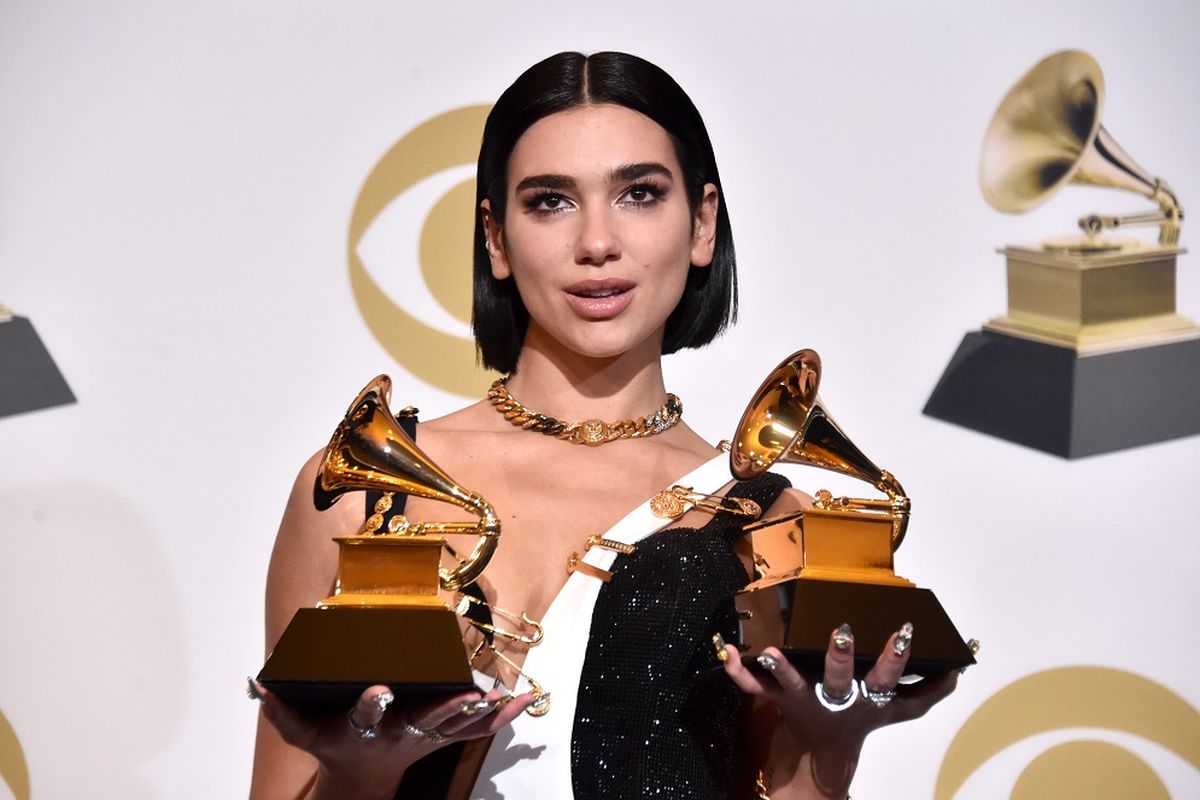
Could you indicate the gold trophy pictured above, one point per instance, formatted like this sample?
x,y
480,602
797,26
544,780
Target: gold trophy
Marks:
x,y
385,622
1091,355
832,563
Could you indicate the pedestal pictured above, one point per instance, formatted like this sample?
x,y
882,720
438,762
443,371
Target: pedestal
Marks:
x,y
328,656
29,380
1053,399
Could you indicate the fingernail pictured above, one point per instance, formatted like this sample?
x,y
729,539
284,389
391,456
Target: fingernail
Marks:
x,y
384,699
903,639
768,662
479,707
253,691
843,637
719,643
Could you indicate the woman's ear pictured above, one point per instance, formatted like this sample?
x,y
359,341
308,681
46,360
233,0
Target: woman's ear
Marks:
x,y
493,240
704,227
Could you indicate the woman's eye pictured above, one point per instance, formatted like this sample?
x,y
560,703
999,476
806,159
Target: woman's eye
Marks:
x,y
640,195
547,203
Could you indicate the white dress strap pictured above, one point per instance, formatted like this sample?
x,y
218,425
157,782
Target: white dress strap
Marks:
x,y
532,757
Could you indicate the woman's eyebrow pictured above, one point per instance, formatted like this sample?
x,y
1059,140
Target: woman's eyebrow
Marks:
x,y
546,182
632,172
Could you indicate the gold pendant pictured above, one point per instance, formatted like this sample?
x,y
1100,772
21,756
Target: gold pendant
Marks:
x,y
671,503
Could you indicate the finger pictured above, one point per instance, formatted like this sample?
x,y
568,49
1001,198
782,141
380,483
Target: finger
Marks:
x,y
507,710
293,728
737,672
786,676
839,662
892,661
918,698
473,711
367,714
431,716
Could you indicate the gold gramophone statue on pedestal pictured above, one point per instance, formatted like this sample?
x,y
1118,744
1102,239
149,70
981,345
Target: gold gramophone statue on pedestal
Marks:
x,y
1091,356
832,563
385,622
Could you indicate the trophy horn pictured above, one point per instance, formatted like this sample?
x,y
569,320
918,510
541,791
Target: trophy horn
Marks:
x,y
1047,133
786,421
369,450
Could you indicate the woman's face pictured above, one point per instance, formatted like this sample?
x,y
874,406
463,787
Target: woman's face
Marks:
x,y
598,234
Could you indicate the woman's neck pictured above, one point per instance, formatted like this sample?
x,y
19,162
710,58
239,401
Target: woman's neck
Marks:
x,y
551,380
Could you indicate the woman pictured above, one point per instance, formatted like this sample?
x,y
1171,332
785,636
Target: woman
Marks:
x,y
602,242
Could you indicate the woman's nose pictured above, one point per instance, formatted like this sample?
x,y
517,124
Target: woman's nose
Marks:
x,y
598,241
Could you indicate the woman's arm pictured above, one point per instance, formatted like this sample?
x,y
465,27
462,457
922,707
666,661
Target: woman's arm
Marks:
x,y
302,570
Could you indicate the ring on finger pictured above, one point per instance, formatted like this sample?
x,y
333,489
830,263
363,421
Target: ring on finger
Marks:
x,y
363,731
432,734
836,704
878,697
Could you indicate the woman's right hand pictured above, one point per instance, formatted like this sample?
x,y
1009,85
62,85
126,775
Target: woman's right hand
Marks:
x,y
363,754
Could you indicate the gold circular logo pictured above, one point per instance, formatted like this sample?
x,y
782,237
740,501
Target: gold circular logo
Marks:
x,y
13,769
444,360
1071,698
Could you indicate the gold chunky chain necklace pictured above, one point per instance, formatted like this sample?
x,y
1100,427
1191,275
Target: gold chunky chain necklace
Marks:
x,y
590,431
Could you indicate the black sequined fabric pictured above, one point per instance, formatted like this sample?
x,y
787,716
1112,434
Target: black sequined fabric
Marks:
x,y
648,724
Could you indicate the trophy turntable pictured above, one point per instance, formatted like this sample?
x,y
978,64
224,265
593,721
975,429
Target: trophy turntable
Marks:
x,y
1091,355
385,622
832,563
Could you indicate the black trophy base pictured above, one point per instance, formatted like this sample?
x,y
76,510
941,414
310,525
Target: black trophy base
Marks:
x,y
328,656
802,613
1051,399
30,381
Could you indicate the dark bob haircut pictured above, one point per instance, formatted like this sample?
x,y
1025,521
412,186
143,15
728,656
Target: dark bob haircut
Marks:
x,y
569,80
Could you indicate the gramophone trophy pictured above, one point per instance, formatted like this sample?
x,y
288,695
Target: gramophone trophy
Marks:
x,y
385,622
832,563
1091,356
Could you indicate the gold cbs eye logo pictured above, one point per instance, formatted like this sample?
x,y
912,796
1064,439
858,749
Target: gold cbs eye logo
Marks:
x,y
14,771
1090,706
414,313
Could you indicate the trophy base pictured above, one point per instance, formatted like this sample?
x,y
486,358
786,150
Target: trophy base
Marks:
x,y
1055,400
31,379
328,656
802,613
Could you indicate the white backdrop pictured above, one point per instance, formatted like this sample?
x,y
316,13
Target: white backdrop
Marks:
x,y
176,184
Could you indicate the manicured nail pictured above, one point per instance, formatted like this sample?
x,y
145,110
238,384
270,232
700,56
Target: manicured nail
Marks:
x,y
768,662
903,638
719,643
383,700
843,637
478,707
253,691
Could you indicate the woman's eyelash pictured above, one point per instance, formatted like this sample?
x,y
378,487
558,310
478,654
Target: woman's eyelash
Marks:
x,y
646,193
546,201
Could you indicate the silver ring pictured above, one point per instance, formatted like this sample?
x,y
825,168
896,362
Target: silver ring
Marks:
x,y
432,734
367,732
878,697
836,704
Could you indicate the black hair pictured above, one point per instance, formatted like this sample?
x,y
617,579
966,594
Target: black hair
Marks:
x,y
499,318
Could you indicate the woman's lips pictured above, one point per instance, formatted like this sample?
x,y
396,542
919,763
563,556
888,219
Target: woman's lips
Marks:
x,y
598,300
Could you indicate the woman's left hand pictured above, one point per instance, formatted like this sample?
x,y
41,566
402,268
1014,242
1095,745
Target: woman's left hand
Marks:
x,y
824,723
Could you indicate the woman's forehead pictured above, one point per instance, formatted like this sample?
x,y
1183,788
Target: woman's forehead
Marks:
x,y
592,141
